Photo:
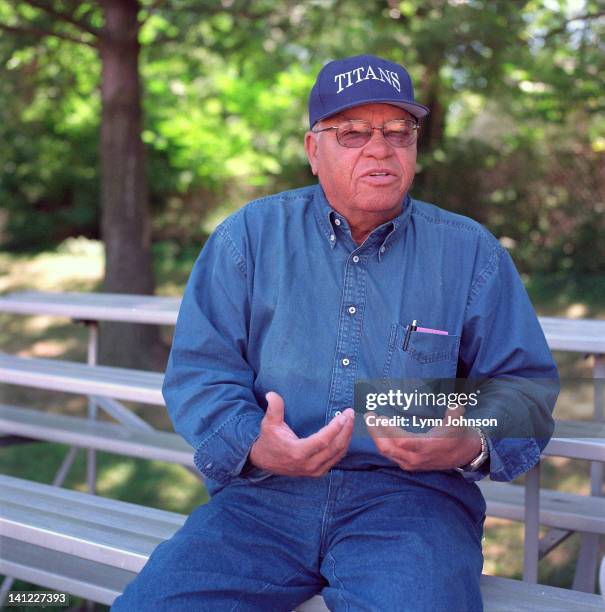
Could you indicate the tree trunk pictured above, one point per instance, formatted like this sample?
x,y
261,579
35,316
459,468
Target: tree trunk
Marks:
x,y
125,217
434,125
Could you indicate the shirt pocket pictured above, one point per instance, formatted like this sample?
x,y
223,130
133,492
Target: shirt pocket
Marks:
x,y
427,355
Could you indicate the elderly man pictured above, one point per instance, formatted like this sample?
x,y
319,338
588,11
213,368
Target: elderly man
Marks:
x,y
294,299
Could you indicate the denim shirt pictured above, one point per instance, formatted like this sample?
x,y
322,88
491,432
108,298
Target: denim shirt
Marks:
x,y
282,299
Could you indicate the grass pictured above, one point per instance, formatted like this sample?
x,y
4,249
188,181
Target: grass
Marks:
x,y
570,296
77,266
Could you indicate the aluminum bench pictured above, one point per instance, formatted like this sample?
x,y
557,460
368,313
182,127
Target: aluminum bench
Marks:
x,y
572,439
577,440
92,547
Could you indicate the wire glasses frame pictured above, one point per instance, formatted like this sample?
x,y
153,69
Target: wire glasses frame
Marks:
x,y
358,132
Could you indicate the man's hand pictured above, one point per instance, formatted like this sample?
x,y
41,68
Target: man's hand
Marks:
x,y
441,448
279,450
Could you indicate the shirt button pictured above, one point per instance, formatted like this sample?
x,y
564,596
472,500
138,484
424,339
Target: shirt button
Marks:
x,y
382,249
352,310
345,362
332,237
337,413
355,258
337,221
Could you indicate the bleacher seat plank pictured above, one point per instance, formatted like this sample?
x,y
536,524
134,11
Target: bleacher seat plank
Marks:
x,y
577,440
557,509
87,526
124,308
504,594
579,335
100,435
70,377
103,583
56,570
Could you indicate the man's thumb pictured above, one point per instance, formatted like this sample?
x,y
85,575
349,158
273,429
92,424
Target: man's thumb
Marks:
x,y
275,407
456,412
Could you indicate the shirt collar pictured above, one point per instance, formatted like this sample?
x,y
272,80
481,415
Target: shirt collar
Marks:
x,y
334,226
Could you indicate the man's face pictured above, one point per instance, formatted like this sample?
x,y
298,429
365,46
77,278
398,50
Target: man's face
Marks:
x,y
345,173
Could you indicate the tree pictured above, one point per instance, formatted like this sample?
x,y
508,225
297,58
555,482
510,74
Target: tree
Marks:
x,y
126,219
225,87
111,27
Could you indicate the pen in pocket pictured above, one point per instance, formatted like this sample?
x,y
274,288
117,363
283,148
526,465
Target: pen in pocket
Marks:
x,y
408,333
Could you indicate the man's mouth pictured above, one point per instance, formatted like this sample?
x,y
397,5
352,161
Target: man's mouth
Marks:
x,y
378,172
380,177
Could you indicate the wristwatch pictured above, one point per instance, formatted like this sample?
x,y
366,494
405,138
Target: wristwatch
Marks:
x,y
480,459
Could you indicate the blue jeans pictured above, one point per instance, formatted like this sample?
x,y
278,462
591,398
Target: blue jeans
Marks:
x,y
376,539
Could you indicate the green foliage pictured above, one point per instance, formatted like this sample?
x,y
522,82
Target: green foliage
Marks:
x,y
48,150
513,88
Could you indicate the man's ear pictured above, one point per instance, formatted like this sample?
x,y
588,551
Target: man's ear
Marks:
x,y
311,150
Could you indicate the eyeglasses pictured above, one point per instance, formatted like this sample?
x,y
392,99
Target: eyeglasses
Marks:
x,y
357,133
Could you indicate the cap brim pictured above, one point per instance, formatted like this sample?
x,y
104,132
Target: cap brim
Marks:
x,y
417,110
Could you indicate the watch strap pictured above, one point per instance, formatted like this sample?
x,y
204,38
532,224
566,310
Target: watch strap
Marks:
x,y
480,459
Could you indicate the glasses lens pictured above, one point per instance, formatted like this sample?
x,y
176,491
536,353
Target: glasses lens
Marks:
x,y
400,133
354,134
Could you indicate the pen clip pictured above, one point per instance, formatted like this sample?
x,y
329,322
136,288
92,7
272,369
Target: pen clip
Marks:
x,y
411,328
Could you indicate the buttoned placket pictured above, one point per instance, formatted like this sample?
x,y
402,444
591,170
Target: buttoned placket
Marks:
x,y
352,302
352,305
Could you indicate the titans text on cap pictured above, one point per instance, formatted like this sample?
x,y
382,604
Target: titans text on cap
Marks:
x,y
357,75
362,79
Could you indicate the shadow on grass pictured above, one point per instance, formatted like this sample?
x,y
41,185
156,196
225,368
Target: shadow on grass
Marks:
x,y
553,294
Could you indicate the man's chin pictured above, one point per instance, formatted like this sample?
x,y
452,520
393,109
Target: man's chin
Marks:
x,y
380,198
382,206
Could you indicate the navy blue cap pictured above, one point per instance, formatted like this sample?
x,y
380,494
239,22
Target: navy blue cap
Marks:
x,y
363,79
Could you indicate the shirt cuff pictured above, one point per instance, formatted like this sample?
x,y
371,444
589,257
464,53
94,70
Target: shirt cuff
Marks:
x,y
223,454
508,459
511,457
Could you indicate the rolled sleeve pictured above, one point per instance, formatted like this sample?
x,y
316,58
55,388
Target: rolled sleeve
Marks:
x,y
224,452
508,459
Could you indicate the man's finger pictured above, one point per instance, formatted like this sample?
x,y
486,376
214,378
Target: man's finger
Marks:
x,y
381,434
324,438
336,450
275,408
340,442
396,443
457,412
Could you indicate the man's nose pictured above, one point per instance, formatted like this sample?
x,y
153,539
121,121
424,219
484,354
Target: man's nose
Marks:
x,y
377,146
